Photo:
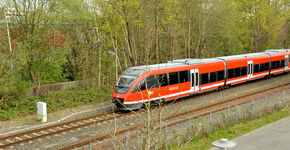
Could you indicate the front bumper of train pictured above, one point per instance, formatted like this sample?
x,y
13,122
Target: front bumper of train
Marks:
x,y
119,102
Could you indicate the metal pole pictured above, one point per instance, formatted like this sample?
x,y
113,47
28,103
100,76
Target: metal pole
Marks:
x,y
210,119
237,112
166,146
252,114
138,138
127,141
189,129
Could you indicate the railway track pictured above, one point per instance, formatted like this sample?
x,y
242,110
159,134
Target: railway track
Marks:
x,y
37,134
197,112
40,133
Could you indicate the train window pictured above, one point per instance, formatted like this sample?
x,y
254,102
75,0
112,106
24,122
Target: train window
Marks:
x,y
162,79
275,64
221,75
152,82
243,71
262,67
237,72
173,78
231,73
213,77
183,76
267,67
282,63
204,78
289,58
256,68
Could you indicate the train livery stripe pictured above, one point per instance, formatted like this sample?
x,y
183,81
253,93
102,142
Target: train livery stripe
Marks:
x,y
277,71
182,93
211,86
165,96
202,88
241,79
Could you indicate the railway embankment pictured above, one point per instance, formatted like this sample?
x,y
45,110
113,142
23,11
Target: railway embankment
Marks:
x,y
108,125
72,113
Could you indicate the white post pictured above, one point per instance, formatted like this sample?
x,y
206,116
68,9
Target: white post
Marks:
x,y
41,111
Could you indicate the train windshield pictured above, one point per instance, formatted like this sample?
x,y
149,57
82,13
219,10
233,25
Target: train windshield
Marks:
x,y
127,79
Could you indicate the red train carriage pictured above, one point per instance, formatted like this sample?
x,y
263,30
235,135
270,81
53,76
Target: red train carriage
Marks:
x,y
184,77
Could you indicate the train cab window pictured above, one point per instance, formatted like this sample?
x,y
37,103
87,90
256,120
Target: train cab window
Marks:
x,y
237,72
243,71
124,83
221,75
173,78
213,77
256,68
204,78
262,67
231,73
183,76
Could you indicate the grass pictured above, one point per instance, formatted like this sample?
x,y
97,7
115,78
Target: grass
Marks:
x,y
231,132
59,100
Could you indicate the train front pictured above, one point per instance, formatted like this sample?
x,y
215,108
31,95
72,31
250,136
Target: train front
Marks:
x,y
122,96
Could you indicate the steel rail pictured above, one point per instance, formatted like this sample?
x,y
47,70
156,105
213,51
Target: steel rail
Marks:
x,y
57,131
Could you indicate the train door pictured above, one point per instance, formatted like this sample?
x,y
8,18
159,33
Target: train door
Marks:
x,y
194,80
250,69
286,62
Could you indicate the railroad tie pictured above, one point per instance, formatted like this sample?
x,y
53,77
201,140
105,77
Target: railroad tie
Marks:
x,y
27,136
44,132
93,120
18,138
87,121
74,125
65,126
51,130
8,140
80,123
60,128
35,134
1,144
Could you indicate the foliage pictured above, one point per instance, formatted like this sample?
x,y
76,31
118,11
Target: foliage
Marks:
x,y
63,40
59,100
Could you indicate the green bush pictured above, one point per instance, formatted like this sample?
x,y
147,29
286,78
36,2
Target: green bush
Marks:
x,y
59,100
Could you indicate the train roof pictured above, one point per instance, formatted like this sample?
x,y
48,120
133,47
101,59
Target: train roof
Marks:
x,y
278,50
242,56
191,61
176,63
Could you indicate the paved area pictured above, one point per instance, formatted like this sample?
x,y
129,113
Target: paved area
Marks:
x,y
275,136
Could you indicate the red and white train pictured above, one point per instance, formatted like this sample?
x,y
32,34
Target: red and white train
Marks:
x,y
184,77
